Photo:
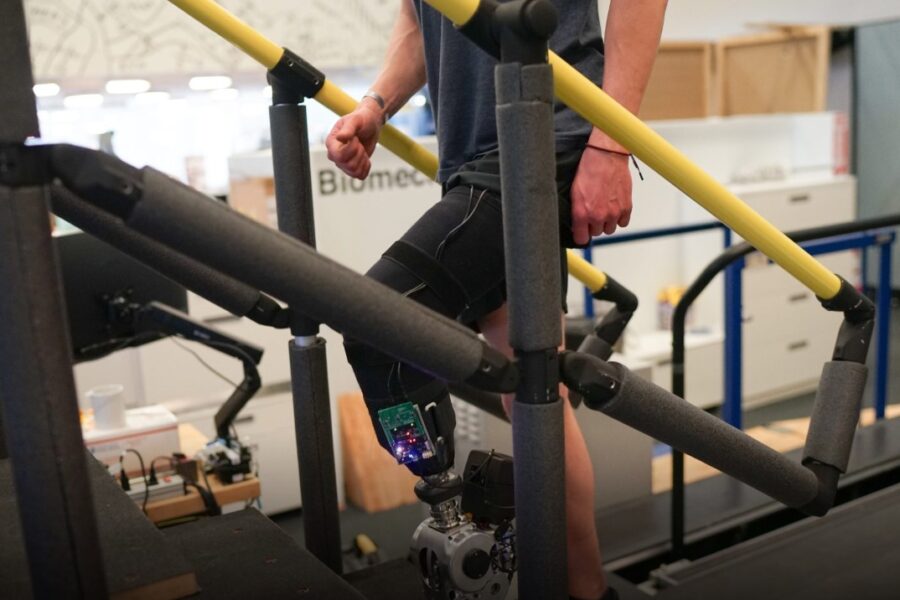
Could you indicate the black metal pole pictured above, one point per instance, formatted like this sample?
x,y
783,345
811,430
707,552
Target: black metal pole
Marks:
x,y
40,408
677,509
309,371
679,318
524,90
3,451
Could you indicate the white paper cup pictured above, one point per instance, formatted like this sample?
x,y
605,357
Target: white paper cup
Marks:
x,y
108,402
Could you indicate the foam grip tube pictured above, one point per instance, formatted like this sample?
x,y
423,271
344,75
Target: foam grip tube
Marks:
x,y
235,297
530,216
664,416
315,452
318,287
538,428
835,414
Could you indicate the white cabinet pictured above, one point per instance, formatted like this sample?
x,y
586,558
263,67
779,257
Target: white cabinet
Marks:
x,y
703,363
787,335
802,203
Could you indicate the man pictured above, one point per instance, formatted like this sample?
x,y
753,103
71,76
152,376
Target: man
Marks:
x,y
456,247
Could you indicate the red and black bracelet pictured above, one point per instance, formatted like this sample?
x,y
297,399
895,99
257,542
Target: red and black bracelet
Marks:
x,y
620,153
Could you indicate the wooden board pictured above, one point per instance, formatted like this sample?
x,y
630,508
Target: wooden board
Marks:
x,y
783,436
680,85
373,479
191,503
778,71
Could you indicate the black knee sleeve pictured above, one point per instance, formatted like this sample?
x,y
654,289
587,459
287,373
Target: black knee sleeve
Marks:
x,y
420,437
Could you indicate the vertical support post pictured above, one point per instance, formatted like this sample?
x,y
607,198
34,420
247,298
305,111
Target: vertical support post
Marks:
x,y
3,451
524,91
40,408
883,326
864,269
677,506
588,253
731,405
309,370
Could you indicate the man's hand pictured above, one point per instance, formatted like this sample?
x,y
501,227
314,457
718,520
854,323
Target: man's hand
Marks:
x,y
353,138
601,194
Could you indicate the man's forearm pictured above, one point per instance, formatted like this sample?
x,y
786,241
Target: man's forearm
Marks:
x,y
403,73
633,28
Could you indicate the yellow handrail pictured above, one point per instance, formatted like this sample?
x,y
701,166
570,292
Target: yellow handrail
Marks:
x,y
592,103
268,54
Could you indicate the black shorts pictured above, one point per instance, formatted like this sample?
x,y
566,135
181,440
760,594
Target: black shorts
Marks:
x,y
464,233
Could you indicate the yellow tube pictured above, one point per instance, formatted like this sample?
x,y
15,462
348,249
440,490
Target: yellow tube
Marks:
x,y
592,103
585,98
259,47
338,101
585,272
458,11
268,53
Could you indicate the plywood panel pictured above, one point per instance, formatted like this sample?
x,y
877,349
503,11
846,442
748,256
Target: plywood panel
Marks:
x,y
680,84
778,71
373,479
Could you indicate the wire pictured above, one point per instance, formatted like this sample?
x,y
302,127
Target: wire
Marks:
x,y
233,347
199,358
118,344
143,474
168,458
470,212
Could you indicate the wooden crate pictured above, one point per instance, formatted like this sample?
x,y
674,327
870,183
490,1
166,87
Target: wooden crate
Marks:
x,y
777,71
373,479
681,83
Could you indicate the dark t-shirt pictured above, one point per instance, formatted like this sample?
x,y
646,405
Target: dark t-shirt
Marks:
x,y
461,82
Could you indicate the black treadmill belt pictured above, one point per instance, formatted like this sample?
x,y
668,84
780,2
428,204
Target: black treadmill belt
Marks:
x,y
643,524
854,552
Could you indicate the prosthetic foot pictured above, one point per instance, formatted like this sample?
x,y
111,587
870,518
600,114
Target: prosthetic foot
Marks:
x,y
466,548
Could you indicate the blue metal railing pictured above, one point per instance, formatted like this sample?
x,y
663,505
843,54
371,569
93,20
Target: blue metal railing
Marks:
x,y
649,234
732,405
816,239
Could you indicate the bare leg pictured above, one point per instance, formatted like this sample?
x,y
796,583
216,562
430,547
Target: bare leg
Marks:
x,y
585,573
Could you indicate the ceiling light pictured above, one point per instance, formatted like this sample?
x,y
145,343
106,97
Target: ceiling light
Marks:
x,y
209,82
83,101
46,90
127,86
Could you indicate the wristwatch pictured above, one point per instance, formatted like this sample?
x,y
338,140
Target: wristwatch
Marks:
x,y
379,100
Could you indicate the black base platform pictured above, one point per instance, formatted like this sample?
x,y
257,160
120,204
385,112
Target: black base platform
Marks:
x,y
637,530
244,555
854,552
240,555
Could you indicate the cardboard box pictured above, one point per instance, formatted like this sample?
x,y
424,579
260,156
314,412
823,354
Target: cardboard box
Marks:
x,y
681,83
785,70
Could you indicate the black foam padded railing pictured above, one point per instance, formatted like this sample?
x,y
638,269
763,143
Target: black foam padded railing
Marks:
x,y
211,233
614,390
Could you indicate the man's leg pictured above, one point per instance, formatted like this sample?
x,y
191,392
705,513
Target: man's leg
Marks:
x,y
586,578
450,258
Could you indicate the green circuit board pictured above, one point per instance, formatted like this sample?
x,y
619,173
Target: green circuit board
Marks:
x,y
406,433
